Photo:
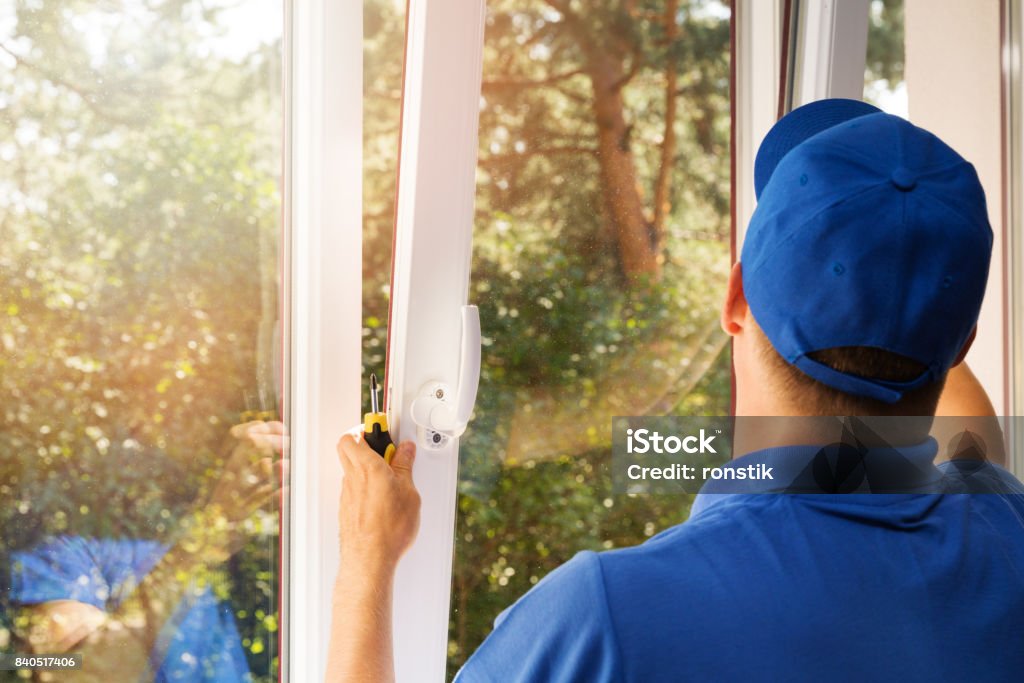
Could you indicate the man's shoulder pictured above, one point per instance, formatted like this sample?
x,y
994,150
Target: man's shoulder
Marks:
x,y
559,630
966,475
685,550
715,532
783,534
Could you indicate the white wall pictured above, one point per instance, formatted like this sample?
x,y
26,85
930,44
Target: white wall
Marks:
x,y
954,84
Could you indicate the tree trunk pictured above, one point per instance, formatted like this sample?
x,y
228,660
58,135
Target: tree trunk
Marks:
x,y
663,184
623,203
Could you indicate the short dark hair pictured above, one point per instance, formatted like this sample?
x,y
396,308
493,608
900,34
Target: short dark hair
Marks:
x,y
864,361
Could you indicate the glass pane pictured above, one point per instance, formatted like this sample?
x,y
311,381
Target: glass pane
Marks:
x,y
601,255
383,51
884,81
140,447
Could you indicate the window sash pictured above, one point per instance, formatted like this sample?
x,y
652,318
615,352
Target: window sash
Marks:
x,y
432,257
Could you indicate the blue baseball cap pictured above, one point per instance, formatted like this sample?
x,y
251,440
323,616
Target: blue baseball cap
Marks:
x,y
869,231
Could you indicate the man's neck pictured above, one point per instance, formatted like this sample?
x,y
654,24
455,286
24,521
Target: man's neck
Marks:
x,y
787,427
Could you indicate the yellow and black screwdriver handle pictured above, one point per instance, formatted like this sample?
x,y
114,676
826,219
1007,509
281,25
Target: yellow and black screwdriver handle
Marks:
x,y
375,426
375,431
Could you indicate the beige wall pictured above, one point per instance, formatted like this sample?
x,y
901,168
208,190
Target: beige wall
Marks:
x,y
953,84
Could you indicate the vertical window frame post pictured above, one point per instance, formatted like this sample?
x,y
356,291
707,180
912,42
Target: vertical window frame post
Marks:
x,y
433,256
759,71
832,48
1012,20
323,268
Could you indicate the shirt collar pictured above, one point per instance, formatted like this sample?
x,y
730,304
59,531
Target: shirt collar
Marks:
x,y
791,468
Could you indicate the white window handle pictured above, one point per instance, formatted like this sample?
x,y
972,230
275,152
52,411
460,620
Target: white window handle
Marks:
x,y
439,413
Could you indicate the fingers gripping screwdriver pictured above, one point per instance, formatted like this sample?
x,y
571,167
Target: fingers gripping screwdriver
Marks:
x,y
375,426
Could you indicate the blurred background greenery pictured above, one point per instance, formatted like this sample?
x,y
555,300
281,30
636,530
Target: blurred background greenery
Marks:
x,y
139,229
601,251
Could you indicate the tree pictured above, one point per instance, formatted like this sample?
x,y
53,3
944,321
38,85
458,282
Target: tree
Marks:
x,y
587,94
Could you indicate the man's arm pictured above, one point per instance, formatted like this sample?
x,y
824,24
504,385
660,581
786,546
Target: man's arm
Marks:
x,y
378,519
964,406
560,630
963,395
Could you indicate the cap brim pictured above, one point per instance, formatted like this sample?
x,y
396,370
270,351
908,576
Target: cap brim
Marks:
x,y
799,125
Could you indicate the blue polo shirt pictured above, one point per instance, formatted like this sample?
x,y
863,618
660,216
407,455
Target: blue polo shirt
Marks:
x,y
795,587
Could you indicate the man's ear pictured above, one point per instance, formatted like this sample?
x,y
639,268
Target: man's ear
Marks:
x,y
966,347
734,309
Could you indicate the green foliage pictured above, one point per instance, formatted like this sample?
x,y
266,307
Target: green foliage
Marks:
x,y
139,217
886,59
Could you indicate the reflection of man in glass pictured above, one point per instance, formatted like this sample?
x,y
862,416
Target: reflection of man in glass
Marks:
x,y
858,294
139,609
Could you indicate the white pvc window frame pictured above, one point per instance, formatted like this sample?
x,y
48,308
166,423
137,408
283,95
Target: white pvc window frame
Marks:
x,y
432,260
1013,216
322,267
831,49
758,53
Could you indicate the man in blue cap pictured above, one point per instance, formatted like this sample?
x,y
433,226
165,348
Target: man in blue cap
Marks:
x,y
859,288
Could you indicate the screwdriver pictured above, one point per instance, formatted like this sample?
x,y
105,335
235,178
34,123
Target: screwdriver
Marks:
x,y
375,426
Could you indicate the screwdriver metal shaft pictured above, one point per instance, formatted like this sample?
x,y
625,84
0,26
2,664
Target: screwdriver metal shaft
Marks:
x,y
374,389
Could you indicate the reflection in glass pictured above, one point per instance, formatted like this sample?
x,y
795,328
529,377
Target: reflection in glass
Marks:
x,y
383,39
141,449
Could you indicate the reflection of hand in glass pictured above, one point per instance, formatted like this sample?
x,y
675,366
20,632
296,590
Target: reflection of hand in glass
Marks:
x,y
255,467
249,478
128,605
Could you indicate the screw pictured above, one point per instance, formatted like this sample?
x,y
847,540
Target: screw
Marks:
x,y
437,438
439,393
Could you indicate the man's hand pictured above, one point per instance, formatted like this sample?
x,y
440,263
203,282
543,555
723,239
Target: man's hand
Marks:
x,y
379,517
380,506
